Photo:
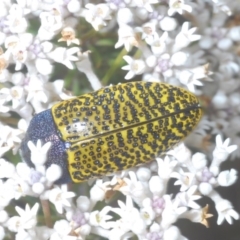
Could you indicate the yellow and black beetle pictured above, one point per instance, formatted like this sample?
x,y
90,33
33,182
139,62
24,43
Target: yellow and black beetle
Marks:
x,y
112,129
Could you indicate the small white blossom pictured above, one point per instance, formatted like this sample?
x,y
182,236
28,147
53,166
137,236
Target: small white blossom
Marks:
x,y
51,23
185,179
226,212
83,203
134,188
35,90
145,4
53,173
130,218
171,212
62,231
27,218
166,167
65,56
97,14
158,45
149,32
7,193
178,6
188,78
127,37
99,190
157,185
135,67
9,137
186,36
7,169
188,198
16,21
221,153
100,218
227,178
222,150
168,24
68,36
60,197
147,212
39,152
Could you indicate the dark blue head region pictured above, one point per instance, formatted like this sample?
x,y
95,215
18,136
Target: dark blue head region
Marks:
x,y
42,127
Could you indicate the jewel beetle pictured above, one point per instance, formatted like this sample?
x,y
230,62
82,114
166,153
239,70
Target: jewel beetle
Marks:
x,y
112,129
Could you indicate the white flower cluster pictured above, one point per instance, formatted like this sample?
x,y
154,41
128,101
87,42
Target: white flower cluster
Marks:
x,y
193,44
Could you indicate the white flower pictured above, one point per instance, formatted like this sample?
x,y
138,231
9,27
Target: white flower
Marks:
x,y
62,231
205,188
126,37
135,67
60,197
35,89
179,58
145,4
74,6
7,169
226,212
222,150
157,185
83,203
7,193
181,153
148,32
15,94
147,212
27,218
158,45
199,161
53,172
124,16
221,153
130,218
39,152
168,24
188,78
166,167
16,21
9,138
178,6
100,218
99,190
188,198
186,36
97,14
171,212
143,174
65,56
51,23
185,179
134,188
173,233
227,178
68,36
